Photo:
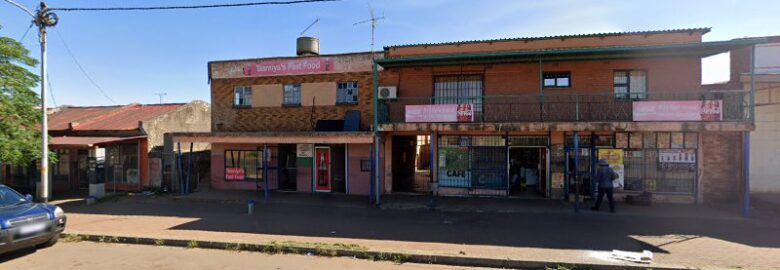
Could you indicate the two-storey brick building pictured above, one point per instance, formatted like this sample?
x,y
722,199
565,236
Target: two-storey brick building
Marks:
x,y
297,123
530,116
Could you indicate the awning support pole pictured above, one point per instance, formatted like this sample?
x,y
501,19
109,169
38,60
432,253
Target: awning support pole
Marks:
x,y
189,172
265,173
179,169
576,172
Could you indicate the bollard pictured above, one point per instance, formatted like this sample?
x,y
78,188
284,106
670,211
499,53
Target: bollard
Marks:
x,y
250,207
91,200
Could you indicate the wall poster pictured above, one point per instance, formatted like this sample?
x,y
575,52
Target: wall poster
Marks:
x,y
615,159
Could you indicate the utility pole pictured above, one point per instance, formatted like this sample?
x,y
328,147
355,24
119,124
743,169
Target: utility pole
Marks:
x,y
42,18
161,95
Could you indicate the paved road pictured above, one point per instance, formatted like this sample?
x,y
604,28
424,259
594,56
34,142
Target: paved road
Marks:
x,y
99,256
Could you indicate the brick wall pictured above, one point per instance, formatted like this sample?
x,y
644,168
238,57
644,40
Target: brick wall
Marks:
x,y
721,173
225,117
664,75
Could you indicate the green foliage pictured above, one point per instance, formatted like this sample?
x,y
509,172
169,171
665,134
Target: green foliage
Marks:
x,y
20,116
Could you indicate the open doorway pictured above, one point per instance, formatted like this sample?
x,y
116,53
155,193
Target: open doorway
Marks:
x,y
288,173
527,171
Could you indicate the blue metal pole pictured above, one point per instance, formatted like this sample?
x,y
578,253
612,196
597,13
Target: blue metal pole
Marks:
x,y
180,170
433,170
379,171
371,182
265,173
746,174
576,172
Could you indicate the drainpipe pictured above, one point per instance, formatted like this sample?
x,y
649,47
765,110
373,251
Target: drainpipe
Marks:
x,y
576,172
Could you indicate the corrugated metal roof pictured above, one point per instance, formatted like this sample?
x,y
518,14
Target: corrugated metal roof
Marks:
x,y
107,118
88,141
704,30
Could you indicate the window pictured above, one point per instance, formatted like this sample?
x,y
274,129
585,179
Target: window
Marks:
x,y
292,95
242,96
347,93
557,79
122,163
61,169
631,84
459,89
243,165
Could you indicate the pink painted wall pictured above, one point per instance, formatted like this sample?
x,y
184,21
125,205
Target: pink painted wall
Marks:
x,y
359,182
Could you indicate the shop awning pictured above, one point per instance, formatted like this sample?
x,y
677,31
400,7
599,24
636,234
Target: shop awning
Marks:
x,y
88,141
274,137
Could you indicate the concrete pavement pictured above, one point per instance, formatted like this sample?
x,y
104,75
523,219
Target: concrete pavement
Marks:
x,y
100,256
700,241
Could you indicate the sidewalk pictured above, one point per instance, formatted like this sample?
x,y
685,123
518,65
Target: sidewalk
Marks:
x,y
535,231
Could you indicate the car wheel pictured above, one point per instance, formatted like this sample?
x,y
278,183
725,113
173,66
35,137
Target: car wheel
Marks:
x,y
51,241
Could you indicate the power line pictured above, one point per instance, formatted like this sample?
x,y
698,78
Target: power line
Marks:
x,y
26,31
67,48
51,90
192,7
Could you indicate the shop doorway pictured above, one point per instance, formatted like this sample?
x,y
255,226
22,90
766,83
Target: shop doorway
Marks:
x,y
403,163
288,173
338,169
82,157
527,171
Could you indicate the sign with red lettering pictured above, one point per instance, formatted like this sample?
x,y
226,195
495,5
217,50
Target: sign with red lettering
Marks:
x,y
683,110
310,65
234,174
439,113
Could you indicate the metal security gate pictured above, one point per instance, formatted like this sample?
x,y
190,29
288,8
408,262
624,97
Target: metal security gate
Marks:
x,y
475,164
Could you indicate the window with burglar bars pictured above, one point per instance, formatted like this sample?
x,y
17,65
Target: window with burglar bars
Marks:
x,y
292,95
347,93
631,84
459,89
474,162
242,96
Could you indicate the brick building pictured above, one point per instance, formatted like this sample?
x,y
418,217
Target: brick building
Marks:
x,y
297,123
528,117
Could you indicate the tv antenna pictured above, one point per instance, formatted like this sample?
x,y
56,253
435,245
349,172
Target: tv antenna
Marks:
x,y
373,21
316,21
161,95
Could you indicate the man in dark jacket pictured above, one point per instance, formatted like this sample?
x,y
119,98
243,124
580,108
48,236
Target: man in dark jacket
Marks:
x,y
604,177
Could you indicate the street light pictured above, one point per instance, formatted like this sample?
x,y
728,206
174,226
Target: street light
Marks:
x,y
42,18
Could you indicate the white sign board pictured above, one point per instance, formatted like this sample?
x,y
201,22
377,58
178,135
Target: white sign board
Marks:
x,y
768,58
305,150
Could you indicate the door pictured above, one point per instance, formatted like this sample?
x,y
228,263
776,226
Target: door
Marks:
x,y
403,163
322,169
527,171
83,168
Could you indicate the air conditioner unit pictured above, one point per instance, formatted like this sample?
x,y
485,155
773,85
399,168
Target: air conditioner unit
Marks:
x,y
388,92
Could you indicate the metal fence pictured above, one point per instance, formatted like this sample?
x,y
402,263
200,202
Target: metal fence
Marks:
x,y
595,107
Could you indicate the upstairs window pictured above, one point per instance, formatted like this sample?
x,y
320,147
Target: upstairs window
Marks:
x,y
631,84
459,89
292,95
557,79
242,96
347,93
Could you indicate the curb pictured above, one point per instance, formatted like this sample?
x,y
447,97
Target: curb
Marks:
x,y
273,248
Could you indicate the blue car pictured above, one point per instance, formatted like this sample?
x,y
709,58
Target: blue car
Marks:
x,y
24,223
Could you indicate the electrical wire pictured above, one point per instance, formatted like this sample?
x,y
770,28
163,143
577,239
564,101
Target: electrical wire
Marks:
x,y
67,48
25,32
51,90
191,7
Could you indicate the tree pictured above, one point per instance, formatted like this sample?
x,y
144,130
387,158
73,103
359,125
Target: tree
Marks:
x,y
20,116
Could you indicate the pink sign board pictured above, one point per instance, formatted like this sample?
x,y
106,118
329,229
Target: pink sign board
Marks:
x,y
234,174
683,110
300,66
439,113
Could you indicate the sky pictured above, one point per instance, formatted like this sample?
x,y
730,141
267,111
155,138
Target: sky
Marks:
x,y
132,55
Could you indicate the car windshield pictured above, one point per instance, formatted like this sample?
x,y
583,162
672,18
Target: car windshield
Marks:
x,y
10,197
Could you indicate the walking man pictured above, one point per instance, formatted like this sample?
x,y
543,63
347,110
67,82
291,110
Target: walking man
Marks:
x,y
604,177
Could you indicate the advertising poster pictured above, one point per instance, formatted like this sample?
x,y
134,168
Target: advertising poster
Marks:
x,y
615,159
234,174
681,110
678,139
304,150
322,170
621,140
439,113
454,167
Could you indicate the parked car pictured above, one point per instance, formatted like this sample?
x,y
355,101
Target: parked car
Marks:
x,y
24,223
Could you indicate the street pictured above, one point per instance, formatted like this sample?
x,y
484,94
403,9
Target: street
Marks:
x,y
88,255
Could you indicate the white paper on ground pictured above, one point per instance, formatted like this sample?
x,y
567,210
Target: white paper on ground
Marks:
x,y
638,257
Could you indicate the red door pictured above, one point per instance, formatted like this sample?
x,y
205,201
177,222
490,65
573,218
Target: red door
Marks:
x,y
322,172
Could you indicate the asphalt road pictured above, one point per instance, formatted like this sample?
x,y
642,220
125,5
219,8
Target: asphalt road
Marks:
x,y
100,256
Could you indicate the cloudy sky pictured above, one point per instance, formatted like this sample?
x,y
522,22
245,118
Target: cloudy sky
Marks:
x,y
133,55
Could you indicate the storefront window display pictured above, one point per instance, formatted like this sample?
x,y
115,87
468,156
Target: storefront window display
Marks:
x,y
477,162
664,162
122,163
242,165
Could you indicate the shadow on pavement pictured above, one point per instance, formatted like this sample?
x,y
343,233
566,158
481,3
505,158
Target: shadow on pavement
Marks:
x,y
340,217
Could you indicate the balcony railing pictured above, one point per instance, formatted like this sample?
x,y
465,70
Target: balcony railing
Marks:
x,y
597,107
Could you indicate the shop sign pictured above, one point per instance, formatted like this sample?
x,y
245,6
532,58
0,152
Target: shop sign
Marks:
x,y
234,174
681,110
439,113
680,156
304,150
615,159
310,65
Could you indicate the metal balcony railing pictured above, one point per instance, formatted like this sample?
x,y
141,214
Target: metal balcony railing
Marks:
x,y
595,107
